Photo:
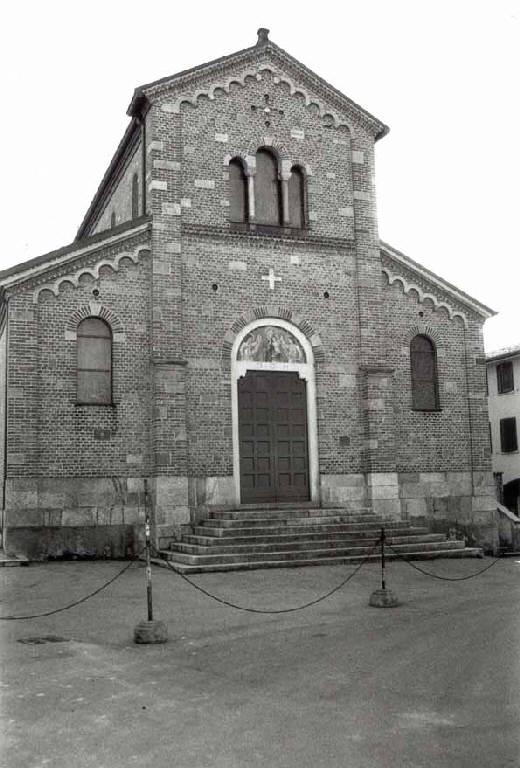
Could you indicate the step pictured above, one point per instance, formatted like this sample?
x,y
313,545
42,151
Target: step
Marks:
x,y
276,563
12,561
251,522
291,543
289,505
311,553
292,513
289,536
264,530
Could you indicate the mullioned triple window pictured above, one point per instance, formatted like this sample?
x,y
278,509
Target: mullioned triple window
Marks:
x,y
268,197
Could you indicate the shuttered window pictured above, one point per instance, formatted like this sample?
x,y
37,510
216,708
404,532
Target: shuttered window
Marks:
x,y
424,374
505,377
238,203
296,197
94,364
508,438
267,189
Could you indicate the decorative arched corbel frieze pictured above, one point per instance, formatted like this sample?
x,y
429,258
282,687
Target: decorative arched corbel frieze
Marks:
x,y
271,312
94,309
409,286
324,112
92,270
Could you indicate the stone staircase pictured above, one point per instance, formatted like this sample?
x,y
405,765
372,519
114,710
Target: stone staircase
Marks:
x,y
287,536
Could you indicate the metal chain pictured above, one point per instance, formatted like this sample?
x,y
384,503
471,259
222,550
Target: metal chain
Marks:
x,y
273,611
70,605
442,578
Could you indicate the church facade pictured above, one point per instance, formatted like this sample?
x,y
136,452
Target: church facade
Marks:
x,y
228,325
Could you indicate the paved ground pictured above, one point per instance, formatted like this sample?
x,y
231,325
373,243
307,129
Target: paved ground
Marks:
x,y
435,682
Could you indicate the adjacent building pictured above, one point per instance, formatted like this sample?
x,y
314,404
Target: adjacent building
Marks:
x,y
503,374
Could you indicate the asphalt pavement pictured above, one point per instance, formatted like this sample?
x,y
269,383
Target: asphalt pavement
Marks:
x,y
434,682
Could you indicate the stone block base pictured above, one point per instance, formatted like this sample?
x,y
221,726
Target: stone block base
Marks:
x,y
147,632
76,542
456,503
383,598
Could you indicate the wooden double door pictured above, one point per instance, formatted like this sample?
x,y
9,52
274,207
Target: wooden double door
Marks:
x,y
274,456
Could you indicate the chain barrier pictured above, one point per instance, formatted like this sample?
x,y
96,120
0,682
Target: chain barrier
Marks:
x,y
76,602
269,611
437,576
382,541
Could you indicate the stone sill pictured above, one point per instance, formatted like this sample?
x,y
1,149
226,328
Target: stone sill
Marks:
x,y
78,404
267,229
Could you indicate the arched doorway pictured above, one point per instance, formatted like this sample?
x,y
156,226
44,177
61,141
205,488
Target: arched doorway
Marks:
x,y
274,414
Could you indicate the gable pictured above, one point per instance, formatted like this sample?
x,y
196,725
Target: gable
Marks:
x,y
221,74
322,108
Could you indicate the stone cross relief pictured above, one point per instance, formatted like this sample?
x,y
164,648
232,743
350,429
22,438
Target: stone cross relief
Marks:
x,y
271,278
267,110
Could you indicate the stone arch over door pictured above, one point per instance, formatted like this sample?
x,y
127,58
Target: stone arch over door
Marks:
x,y
296,356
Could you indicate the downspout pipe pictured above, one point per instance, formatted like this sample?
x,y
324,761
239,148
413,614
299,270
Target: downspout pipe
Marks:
x,y
4,482
143,155
141,120
470,415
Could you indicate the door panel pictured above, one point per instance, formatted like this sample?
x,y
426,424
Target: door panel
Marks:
x,y
274,463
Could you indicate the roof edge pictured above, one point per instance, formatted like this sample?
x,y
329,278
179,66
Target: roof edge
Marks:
x,y
503,353
38,265
464,298
131,134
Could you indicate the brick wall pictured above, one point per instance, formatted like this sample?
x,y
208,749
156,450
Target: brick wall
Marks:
x,y
77,465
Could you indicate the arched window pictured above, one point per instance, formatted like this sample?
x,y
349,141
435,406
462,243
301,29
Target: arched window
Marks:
x,y
237,191
296,197
423,365
135,196
267,189
94,361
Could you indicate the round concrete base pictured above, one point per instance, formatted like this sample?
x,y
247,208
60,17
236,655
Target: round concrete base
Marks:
x,y
383,598
151,632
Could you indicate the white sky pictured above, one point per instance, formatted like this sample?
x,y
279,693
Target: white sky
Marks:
x,y
443,75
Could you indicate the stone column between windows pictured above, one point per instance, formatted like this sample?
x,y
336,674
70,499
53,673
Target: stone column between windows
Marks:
x,y
285,175
250,171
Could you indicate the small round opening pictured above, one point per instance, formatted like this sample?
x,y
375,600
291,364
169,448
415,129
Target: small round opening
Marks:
x,y
214,287
95,292
326,294
421,314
